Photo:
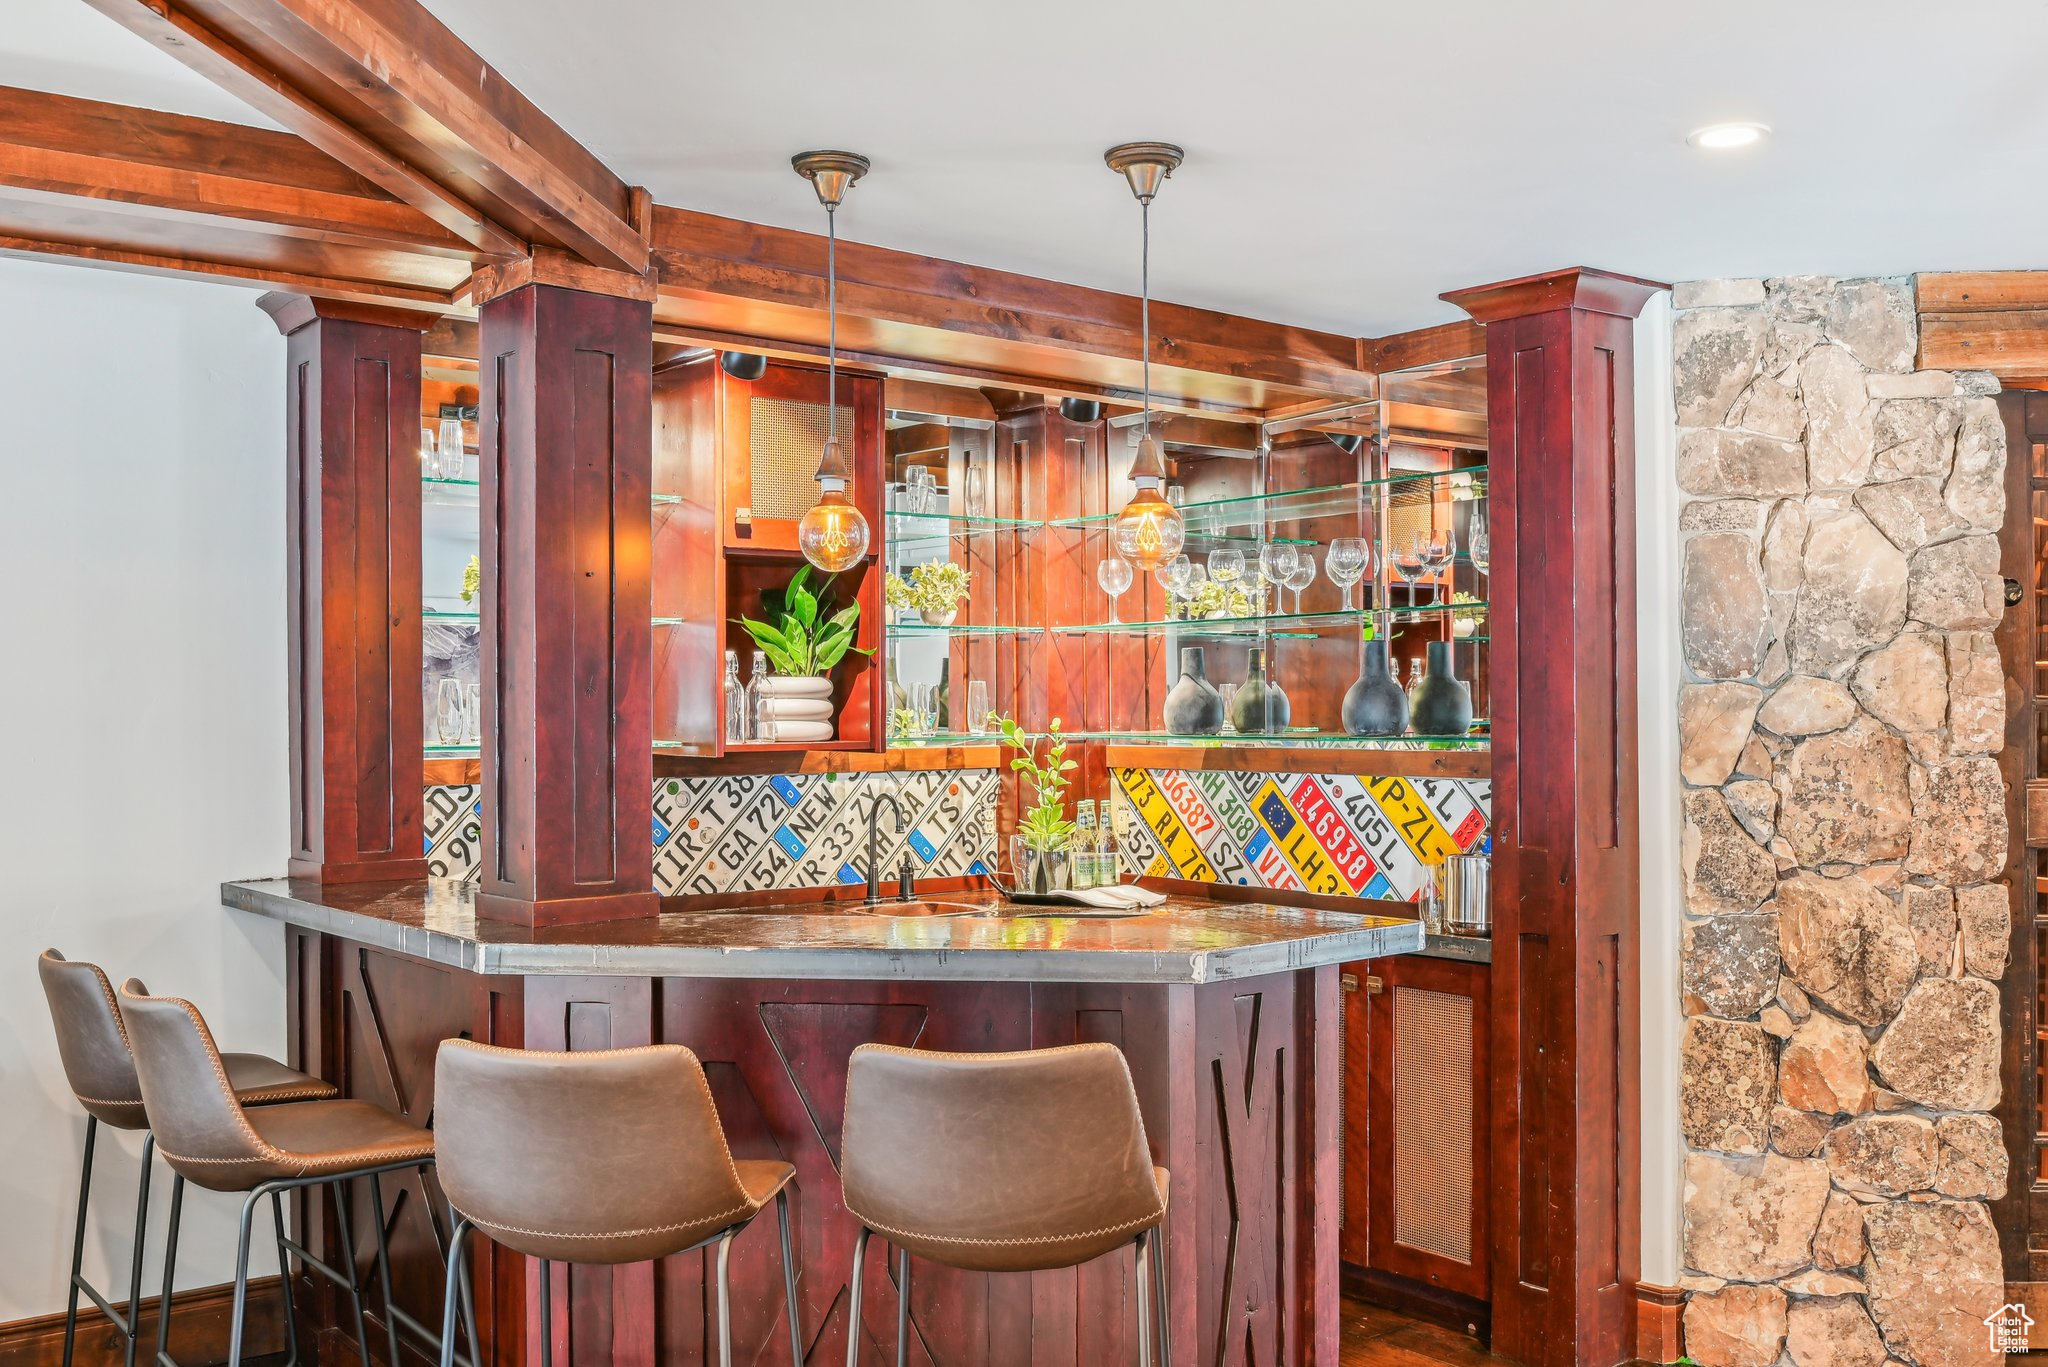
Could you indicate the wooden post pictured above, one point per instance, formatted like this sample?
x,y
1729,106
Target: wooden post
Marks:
x,y
568,759
1566,1058
353,576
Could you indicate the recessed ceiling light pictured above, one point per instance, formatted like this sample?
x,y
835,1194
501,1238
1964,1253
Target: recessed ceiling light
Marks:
x,y
1723,137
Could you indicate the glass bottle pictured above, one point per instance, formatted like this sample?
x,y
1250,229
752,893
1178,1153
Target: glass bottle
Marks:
x,y
735,699
1414,678
1082,861
760,723
1107,872
942,700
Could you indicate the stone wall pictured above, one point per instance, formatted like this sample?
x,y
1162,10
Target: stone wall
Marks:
x,y
1844,825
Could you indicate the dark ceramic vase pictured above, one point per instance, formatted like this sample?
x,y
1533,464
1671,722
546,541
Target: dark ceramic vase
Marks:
x,y
1259,705
1193,707
1375,704
1443,705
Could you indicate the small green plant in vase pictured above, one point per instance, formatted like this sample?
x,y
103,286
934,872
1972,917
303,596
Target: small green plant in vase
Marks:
x,y
933,591
805,639
1039,855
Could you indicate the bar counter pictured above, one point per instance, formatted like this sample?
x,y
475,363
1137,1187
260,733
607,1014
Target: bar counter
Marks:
x,y
1228,1013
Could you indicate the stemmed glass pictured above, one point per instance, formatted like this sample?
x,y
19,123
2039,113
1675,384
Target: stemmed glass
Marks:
x,y
1479,549
1409,557
1114,574
1277,561
1174,577
1226,567
1438,550
1301,576
1346,563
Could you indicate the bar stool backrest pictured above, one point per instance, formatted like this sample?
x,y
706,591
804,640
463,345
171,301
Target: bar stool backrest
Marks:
x,y
998,1162
91,1042
200,1127
601,1156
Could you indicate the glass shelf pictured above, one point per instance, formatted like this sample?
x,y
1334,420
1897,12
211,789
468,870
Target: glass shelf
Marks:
x,y
443,615
912,629
1303,736
460,750
903,526
1245,515
1307,623
468,492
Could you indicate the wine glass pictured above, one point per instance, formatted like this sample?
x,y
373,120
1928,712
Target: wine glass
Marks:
x,y
1408,558
1438,550
1346,563
1478,549
1277,561
1226,567
1173,577
1114,574
1301,576
448,711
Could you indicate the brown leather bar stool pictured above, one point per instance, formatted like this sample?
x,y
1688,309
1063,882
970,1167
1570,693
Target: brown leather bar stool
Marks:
x,y
601,1157
209,1138
1016,1162
101,1073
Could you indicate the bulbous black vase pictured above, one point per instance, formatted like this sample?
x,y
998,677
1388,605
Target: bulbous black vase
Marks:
x,y
1375,704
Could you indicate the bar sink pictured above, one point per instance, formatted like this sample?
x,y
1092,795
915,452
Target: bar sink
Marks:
x,y
919,908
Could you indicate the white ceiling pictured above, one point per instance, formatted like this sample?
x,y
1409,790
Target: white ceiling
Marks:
x,y
1346,162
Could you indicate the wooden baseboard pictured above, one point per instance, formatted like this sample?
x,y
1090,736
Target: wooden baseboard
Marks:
x,y
1657,1322
199,1330
1450,1309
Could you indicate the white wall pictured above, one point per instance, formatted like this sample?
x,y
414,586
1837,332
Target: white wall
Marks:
x,y
1658,679
142,712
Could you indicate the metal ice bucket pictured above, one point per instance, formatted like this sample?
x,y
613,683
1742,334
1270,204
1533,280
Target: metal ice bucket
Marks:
x,y
1467,894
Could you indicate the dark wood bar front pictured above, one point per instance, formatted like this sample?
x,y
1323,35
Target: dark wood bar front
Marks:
x,y
1227,1013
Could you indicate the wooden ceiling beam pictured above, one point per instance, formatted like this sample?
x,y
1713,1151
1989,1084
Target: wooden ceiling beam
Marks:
x,y
140,262
387,89
724,275
174,168
1984,320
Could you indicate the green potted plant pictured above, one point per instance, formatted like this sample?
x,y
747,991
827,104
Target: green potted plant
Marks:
x,y
933,591
1039,854
804,639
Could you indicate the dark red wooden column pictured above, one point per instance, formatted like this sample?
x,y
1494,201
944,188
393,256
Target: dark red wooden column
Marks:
x,y
568,758
352,412
1567,1209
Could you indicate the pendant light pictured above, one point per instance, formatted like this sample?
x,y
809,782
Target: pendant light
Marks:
x,y
1149,531
832,535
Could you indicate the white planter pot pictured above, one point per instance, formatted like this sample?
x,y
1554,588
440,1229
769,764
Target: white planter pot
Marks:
x,y
801,708
939,619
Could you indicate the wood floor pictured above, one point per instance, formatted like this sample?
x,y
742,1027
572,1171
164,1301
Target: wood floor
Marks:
x,y
1375,1337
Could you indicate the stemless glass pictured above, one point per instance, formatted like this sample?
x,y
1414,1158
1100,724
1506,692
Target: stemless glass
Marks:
x,y
1409,557
1348,560
1301,576
977,707
1438,550
472,714
1114,574
448,710
430,458
450,449
975,499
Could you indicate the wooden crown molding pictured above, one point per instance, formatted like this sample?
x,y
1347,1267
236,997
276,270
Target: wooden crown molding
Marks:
x,y
1578,287
293,311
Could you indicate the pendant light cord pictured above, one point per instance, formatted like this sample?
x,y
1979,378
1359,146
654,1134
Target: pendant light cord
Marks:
x,y
1145,302
832,322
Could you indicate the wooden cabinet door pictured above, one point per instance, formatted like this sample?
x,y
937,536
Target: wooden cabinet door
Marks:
x,y
771,434
1426,1163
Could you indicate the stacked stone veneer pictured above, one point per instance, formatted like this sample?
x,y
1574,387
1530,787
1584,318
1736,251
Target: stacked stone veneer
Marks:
x,y
1844,828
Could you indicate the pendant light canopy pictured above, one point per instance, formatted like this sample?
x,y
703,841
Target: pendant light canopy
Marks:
x,y
1149,531
833,535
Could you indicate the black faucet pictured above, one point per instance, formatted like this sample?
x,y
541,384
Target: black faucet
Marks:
x,y
903,882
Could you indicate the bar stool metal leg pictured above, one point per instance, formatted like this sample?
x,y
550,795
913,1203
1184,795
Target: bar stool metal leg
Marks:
x,y
547,1313
725,1298
860,1254
796,1331
163,1304
241,1303
345,1227
451,1295
384,1265
1144,1300
134,1325
92,1130
902,1308
1159,1285
284,1277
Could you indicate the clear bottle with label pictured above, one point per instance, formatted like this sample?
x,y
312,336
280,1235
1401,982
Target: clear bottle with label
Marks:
x,y
1108,873
1414,679
735,700
1081,861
